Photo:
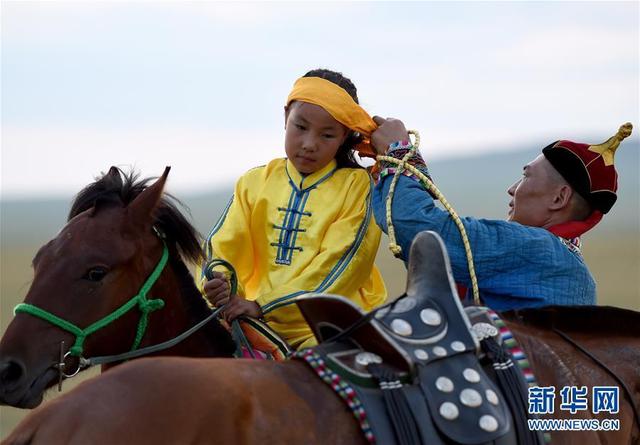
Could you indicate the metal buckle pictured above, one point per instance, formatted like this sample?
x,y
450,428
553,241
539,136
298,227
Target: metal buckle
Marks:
x,y
483,330
61,366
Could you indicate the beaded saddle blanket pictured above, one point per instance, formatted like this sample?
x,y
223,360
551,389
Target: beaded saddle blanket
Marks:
x,y
421,370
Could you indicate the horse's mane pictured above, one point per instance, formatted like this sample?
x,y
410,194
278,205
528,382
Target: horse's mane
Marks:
x,y
117,188
592,319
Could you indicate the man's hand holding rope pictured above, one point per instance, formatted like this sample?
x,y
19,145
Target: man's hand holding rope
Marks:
x,y
389,131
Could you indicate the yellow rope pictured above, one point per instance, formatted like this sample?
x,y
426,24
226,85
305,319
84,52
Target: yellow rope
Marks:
x,y
393,246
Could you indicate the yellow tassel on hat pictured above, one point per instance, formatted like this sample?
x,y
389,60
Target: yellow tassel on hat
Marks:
x,y
608,148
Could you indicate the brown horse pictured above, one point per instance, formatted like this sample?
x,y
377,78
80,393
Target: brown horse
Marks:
x,y
610,334
95,265
180,400
212,401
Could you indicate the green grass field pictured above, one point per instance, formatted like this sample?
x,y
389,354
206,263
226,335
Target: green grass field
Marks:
x,y
614,259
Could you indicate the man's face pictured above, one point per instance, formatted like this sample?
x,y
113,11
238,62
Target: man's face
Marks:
x,y
312,136
532,194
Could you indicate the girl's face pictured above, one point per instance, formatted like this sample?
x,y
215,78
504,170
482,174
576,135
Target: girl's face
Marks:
x,y
312,136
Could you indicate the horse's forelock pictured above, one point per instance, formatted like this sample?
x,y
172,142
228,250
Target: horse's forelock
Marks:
x,y
113,188
118,188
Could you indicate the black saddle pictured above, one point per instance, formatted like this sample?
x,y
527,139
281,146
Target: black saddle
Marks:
x,y
425,324
422,349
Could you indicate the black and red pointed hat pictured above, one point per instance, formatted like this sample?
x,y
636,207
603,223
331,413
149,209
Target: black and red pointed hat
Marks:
x,y
589,169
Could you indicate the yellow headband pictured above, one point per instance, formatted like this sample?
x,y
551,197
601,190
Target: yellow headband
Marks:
x,y
339,104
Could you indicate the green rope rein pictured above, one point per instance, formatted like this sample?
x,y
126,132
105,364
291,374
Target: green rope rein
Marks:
x,y
233,276
236,330
140,300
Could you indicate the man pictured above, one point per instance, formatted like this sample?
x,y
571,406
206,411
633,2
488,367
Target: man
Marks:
x,y
534,258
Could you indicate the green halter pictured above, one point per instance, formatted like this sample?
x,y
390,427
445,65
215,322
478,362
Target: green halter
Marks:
x,y
140,300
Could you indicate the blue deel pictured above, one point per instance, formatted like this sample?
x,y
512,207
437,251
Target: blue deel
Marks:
x,y
517,266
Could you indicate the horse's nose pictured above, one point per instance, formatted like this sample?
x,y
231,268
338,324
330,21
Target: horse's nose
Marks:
x,y
11,373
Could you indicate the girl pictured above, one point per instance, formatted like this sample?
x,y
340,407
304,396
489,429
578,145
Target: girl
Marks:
x,y
303,223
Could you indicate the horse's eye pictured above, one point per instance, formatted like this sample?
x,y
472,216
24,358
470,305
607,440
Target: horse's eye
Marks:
x,y
95,273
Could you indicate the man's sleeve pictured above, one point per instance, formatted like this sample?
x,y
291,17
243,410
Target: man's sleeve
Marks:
x,y
507,255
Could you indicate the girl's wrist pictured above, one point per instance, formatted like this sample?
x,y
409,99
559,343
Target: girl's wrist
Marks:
x,y
258,310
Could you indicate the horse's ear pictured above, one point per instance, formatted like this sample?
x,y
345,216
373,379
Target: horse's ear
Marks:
x,y
113,171
141,209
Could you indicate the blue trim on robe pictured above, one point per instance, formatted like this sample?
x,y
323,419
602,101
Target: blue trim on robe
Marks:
x,y
339,267
291,223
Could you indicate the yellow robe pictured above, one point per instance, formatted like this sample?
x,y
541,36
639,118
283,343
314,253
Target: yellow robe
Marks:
x,y
288,234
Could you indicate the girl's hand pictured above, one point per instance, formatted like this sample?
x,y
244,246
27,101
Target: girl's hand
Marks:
x,y
239,306
389,131
217,289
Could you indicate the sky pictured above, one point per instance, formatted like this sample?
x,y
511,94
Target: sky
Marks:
x,y
201,86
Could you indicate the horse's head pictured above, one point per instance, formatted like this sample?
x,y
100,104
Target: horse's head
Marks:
x,y
95,282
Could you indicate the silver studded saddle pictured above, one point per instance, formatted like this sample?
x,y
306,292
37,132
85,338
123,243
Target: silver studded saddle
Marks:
x,y
414,363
